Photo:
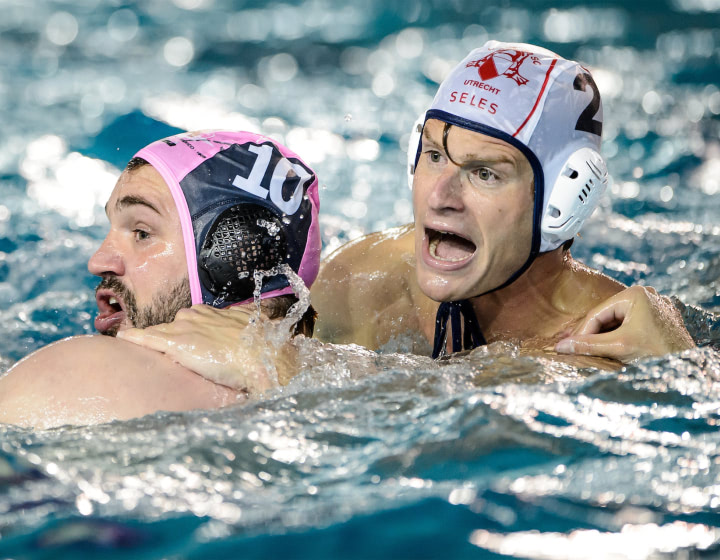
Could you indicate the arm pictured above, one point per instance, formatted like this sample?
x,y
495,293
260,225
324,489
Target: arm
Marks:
x,y
635,323
227,346
96,379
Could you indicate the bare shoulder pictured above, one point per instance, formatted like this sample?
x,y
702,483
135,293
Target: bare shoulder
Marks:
x,y
95,379
378,251
599,285
360,280
578,290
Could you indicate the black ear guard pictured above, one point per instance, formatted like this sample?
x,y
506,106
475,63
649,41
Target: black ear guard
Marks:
x,y
243,239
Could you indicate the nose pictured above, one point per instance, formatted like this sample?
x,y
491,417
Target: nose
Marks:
x,y
446,191
107,259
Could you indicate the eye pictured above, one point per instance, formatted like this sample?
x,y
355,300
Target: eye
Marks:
x,y
434,156
141,235
485,175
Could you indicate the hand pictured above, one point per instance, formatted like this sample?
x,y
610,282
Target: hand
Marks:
x,y
634,323
227,346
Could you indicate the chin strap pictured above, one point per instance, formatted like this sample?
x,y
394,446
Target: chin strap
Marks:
x,y
467,337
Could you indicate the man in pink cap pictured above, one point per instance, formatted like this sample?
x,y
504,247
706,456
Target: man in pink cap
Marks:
x,y
213,217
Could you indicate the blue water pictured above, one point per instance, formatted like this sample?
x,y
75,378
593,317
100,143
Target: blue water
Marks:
x,y
496,455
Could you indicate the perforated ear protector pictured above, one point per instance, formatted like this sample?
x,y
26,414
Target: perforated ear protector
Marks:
x,y
245,238
574,196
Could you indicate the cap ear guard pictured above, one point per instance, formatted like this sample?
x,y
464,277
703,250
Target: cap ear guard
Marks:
x,y
243,239
575,195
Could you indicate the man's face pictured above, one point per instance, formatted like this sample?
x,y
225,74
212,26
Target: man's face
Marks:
x,y
142,260
473,218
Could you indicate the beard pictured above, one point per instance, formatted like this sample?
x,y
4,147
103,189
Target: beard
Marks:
x,y
162,309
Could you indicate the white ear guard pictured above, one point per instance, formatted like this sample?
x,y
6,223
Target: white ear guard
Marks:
x,y
575,195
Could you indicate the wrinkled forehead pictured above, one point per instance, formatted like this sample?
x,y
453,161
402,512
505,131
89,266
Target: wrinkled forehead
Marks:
x,y
468,145
142,187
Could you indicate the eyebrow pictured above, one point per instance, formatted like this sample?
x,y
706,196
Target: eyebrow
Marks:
x,y
469,158
132,200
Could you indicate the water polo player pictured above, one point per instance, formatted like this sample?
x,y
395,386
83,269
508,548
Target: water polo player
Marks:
x,y
192,219
507,170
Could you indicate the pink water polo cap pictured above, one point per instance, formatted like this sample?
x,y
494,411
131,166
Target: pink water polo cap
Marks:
x,y
246,203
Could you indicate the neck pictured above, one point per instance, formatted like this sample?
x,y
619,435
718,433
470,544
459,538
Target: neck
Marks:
x,y
531,306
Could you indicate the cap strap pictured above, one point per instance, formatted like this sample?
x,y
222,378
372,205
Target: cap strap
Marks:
x,y
467,337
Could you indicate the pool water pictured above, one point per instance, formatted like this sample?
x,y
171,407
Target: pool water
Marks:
x,y
492,455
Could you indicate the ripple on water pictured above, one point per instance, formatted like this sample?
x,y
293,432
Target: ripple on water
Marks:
x,y
498,450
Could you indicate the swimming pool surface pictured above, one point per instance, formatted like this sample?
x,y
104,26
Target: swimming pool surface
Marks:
x,y
495,455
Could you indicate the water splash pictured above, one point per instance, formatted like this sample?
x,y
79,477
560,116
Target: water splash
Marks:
x,y
272,227
298,309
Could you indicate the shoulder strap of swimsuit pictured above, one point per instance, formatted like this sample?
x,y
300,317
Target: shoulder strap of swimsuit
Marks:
x,y
467,337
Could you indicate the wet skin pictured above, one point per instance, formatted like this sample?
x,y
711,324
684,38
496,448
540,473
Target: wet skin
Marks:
x,y
473,200
143,251
94,379
473,203
473,212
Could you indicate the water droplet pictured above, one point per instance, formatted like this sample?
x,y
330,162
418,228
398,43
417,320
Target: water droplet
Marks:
x,y
272,227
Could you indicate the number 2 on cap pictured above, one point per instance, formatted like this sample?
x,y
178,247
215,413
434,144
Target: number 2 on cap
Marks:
x,y
586,122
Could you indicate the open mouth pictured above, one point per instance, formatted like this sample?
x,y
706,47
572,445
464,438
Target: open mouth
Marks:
x,y
449,247
111,311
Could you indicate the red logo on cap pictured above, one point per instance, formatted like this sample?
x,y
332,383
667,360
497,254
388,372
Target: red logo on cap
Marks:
x,y
505,62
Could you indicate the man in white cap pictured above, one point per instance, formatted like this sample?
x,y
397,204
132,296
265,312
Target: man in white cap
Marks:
x,y
506,171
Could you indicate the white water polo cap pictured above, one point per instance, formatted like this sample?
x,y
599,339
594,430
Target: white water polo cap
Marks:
x,y
547,107
246,203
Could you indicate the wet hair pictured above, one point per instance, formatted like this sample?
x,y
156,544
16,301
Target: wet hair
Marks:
x,y
135,163
446,131
277,308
